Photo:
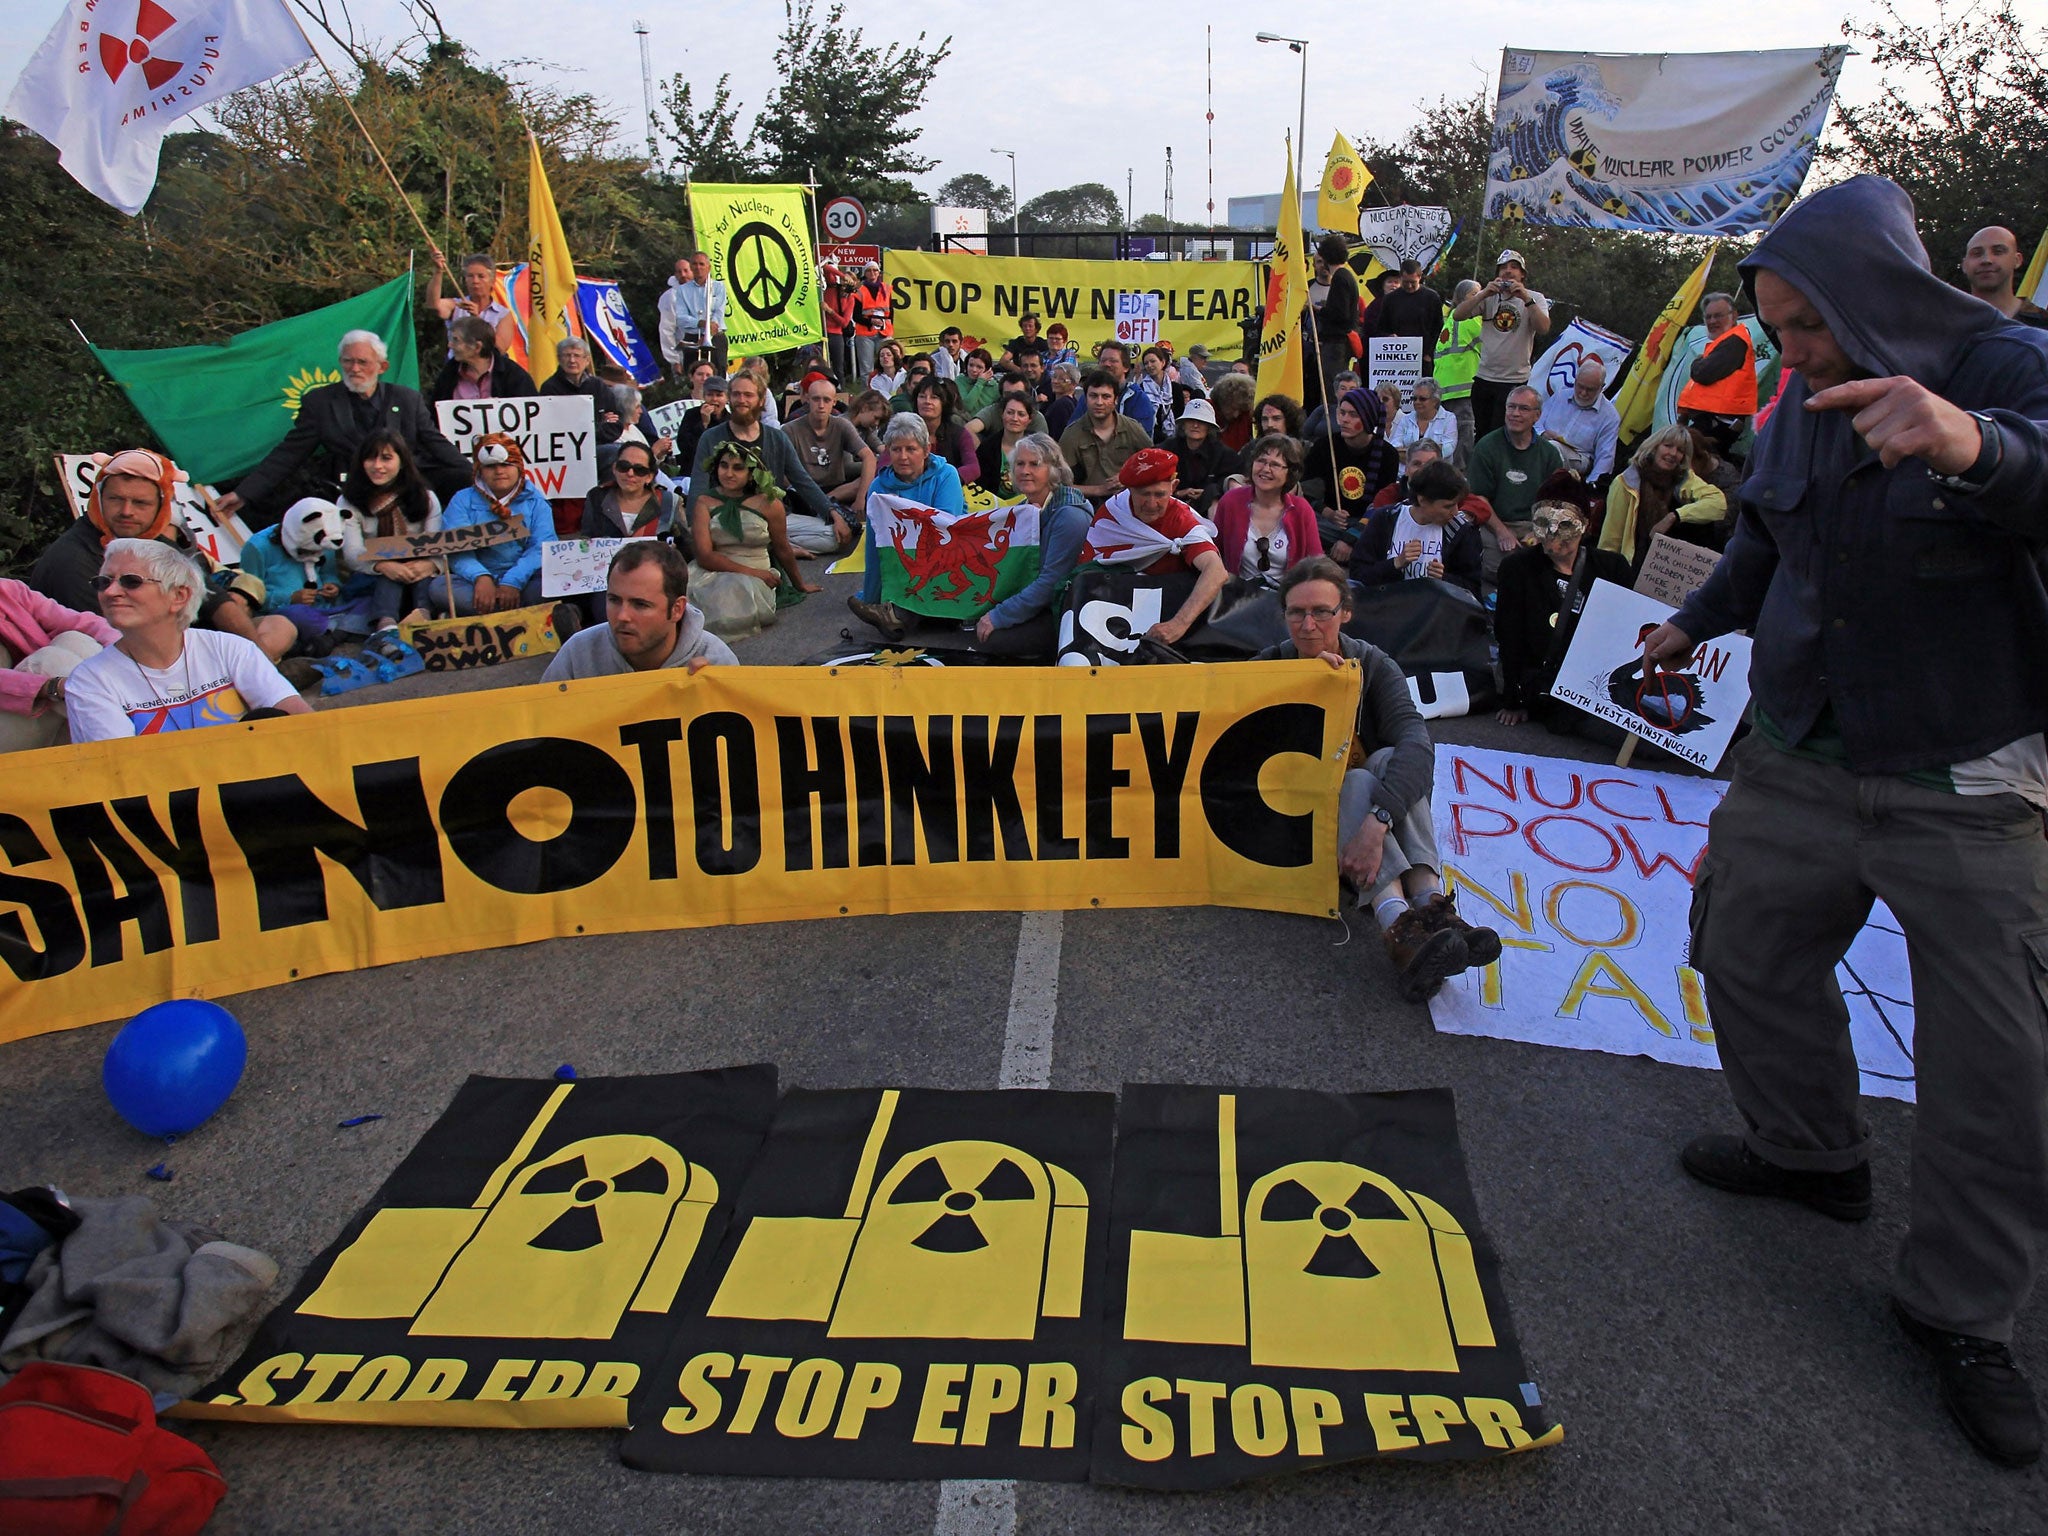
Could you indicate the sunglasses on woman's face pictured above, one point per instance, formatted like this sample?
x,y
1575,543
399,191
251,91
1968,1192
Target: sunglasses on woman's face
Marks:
x,y
628,467
127,581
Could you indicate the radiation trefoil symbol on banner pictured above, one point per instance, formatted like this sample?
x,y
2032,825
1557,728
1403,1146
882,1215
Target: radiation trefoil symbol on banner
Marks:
x,y
1324,1266
559,1247
958,1240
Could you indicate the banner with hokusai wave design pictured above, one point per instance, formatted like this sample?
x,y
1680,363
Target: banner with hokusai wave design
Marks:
x,y
1696,143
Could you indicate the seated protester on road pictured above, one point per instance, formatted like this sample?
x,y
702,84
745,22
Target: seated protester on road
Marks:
x,y
757,367
1543,590
995,447
1063,404
837,460
41,644
813,515
1365,462
1389,397
1027,343
389,499
476,369
1264,527
1151,399
700,418
311,566
1426,536
1232,397
498,577
1717,470
1583,423
946,356
937,403
650,624
633,414
1424,451
1189,374
1278,413
573,375
915,371
735,575
1205,464
1027,623
916,474
1146,527
868,414
631,504
1009,384
1510,462
1659,493
1426,418
132,497
887,376
1098,442
1341,383
976,384
333,420
1032,367
1386,841
1059,348
163,675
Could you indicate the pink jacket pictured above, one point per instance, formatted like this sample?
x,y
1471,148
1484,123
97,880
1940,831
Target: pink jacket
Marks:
x,y
1233,517
28,622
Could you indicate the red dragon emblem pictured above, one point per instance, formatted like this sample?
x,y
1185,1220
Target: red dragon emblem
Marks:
x,y
964,551
152,21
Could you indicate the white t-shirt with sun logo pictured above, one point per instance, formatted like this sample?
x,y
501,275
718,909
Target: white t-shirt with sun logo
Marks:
x,y
1508,342
219,679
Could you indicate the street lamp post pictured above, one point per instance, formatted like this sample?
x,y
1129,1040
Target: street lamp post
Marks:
x,y
1297,45
1016,239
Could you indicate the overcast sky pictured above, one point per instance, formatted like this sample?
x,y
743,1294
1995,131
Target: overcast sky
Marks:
x,y
1088,92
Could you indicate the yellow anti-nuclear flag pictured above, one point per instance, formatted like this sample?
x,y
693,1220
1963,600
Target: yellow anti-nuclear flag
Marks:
x,y
2033,285
553,272
1280,360
1345,179
1637,400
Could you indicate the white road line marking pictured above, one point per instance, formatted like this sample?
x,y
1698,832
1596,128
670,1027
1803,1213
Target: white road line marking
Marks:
x,y
1034,1001
983,1507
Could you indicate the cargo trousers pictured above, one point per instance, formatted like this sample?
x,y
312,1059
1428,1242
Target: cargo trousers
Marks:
x,y
1796,854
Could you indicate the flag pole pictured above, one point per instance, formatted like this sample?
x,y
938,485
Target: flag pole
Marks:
x,y
440,260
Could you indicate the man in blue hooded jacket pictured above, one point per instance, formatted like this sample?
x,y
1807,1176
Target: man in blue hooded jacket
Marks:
x,y
1889,559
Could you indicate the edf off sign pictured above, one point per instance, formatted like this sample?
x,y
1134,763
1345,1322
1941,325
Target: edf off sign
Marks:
x,y
1137,319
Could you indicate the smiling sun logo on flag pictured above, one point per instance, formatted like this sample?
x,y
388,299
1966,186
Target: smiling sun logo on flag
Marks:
x,y
296,386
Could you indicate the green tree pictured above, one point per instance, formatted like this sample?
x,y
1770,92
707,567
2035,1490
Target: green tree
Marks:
x,y
1087,205
1960,121
972,190
705,142
846,109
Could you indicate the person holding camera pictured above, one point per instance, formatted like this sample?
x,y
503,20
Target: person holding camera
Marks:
x,y
1515,316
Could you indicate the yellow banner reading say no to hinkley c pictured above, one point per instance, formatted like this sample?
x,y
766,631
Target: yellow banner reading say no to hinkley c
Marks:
x,y
209,862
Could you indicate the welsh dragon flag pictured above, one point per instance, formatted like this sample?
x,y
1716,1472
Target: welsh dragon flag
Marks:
x,y
948,565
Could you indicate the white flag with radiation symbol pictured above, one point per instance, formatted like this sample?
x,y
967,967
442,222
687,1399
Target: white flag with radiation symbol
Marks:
x,y
114,76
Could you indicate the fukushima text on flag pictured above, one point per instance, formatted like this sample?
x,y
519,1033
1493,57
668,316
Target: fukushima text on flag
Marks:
x,y
1702,143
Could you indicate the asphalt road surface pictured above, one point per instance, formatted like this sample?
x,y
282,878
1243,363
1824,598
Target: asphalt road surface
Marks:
x,y
1718,1364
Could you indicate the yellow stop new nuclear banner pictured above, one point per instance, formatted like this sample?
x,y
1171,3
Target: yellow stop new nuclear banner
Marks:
x,y
1199,301
208,862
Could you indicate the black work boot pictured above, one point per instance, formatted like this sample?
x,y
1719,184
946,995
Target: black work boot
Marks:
x,y
1482,945
1985,1391
1423,954
1727,1163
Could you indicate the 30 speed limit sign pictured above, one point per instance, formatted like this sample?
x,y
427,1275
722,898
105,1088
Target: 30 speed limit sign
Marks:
x,y
845,218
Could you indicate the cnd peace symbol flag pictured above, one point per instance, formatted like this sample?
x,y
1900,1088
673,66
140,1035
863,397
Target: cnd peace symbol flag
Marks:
x,y
759,240
952,565
521,1268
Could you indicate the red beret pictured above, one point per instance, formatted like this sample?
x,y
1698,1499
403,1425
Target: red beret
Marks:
x,y
813,376
1148,466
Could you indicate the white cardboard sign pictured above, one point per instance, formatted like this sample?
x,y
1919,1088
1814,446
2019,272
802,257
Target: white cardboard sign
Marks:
x,y
1137,319
557,433
1395,360
1691,712
219,538
572,566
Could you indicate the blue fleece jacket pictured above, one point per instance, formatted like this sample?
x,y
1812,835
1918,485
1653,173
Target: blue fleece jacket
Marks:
x,y
939,486
511,564
281,573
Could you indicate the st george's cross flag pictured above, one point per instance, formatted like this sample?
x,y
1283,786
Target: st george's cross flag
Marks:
x,y
113,77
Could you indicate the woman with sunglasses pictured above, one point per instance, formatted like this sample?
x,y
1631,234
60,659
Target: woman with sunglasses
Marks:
x,y
161,674
632,504
1264,527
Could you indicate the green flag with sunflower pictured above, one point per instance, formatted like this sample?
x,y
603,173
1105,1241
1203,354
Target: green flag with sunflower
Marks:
x,y
218,410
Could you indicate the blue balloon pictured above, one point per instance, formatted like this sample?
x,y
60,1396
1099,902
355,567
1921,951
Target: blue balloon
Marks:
x,y
173,1065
